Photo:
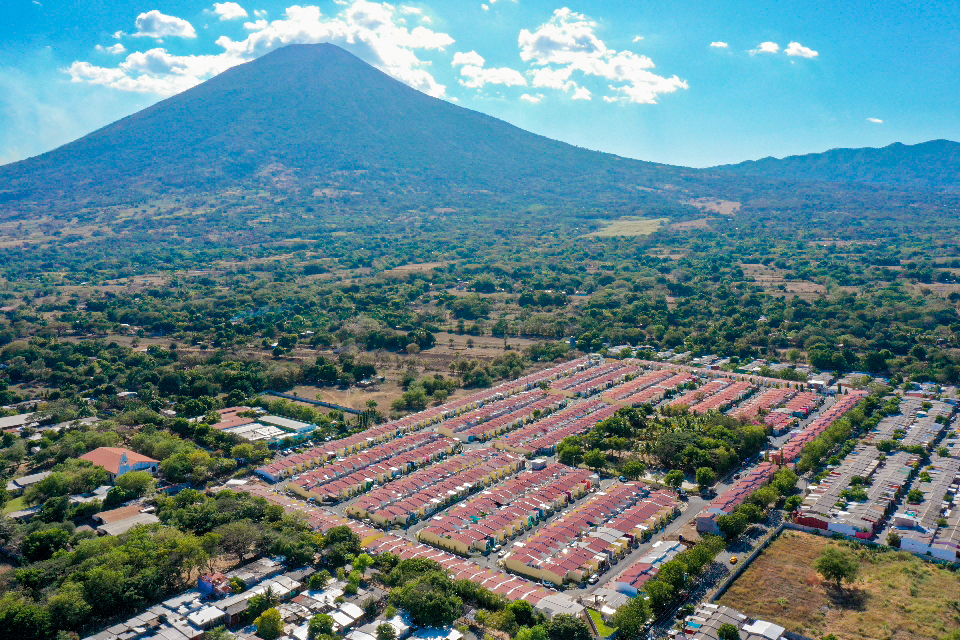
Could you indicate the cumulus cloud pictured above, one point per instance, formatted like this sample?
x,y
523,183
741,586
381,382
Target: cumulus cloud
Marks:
x,y
766,47
638,39
797,49
567,44
476,76
260,13
116,48
470,57
875,120
229,10
485,7
532,98
154,24
581,93
369,30
719,44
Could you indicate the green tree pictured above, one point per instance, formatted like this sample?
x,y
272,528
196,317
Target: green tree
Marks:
x,y
386,632
430,599
537,632
595,459
728,631
631,619
634,469
68,608
674,479
269,624
705,478
261,602
238,537
733,525
41,545
523,612
138,483
838,565
362,562
566,627
320,624
660,595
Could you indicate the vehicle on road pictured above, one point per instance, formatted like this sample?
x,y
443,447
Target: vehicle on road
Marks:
x,y
734,560
594,579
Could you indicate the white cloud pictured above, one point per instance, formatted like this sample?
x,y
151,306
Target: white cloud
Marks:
x,y
229,10
154,24
875,120
471,57
471,67
638,39
553,78
260,13
767,47
532,98
477,77
581,93
369,30
719,44
119,34
116,48
797,49
485,7
568,44
407,9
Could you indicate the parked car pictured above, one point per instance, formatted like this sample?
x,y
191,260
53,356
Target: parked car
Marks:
x,y
594,579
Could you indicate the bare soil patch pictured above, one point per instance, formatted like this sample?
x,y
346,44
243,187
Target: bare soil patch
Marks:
x,y
896,597
723,207
629,227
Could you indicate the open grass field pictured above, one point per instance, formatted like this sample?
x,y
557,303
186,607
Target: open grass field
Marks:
x,y
602,627
897,596
629,227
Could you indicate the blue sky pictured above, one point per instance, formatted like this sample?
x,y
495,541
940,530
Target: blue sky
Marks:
x,y
648,80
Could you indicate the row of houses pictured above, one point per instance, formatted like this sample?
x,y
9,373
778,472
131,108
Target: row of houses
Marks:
x,y
589,538
791,451
701,393
725,503
603,382
913,426
189,615
500,417
513,587
640,383
724,398
544,435
658,391
297,463
506,510
707,619
856,497
933,525
424,492
360,472
586,375
631,580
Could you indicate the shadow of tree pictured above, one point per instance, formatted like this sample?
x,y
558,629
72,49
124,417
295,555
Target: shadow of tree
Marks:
x,y
846,598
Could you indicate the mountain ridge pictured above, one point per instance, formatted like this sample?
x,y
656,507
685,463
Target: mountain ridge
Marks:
x,y
308,121
933,164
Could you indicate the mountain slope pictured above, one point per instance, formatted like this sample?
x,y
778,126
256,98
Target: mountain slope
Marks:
x,y
309,117
927,165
